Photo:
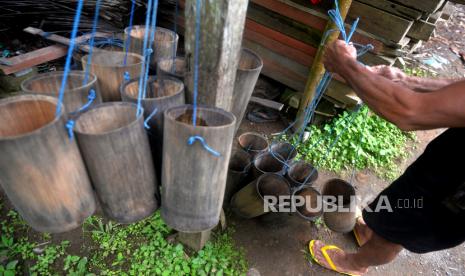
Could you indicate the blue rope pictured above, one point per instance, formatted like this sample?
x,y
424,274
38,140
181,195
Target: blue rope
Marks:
x,y
144,45
90,99
146,122
70,127
330,148
69,56
192,139
128,41
91,42
196,61
153,27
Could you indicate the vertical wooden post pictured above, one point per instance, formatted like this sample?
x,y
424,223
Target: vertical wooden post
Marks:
x,y
317,71
222,25
221,28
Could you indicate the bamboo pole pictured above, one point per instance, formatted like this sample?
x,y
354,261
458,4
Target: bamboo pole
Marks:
x,y
317,71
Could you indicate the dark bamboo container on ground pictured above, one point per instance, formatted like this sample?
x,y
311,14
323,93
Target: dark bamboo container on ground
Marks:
x,y
253,143
339,221
110,70
172,68
239,167
193,179
75,95
249,201
116,151
249,68
267,163
301,173
164,46
41,169
313,206
283,151
161,94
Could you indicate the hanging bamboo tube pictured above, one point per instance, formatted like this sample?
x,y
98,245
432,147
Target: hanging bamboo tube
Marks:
x,y
41,169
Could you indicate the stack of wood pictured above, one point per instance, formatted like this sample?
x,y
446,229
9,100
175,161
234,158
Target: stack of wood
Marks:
x,y
287,33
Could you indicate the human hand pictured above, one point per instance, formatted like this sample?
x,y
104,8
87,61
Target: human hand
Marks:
x,y
337,55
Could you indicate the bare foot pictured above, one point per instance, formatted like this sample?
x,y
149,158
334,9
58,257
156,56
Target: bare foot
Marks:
x,y
362,232
338,257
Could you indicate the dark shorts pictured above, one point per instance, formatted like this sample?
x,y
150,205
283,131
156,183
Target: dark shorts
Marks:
x,y
427,200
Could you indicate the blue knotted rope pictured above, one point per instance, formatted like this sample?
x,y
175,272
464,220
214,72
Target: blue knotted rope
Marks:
x,y
144,62
146,122
153,27
69,56
192,139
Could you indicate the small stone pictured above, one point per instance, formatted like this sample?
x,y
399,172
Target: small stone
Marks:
x,y
253,272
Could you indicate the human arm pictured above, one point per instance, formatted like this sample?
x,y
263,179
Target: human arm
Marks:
x,y
396,103
417,84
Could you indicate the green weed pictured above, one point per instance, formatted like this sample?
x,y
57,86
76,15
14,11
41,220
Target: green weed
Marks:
x,y
368,142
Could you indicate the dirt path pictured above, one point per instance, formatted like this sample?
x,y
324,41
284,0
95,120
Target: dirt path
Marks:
x,y
276,244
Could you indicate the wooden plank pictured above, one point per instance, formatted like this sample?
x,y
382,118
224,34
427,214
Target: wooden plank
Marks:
x,y
315,19
421,30
380,23
286,40
294,75
433,18
280,68
296,14
276,46
33,58
428,6
458,1
394,8
284,25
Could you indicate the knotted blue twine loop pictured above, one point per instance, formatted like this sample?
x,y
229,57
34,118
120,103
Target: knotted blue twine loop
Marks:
x,y
70,127
144,63
146,122
192,140
90,99
70,124
127,76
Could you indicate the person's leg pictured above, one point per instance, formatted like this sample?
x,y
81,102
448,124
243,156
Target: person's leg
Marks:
x,y
362,231
377,251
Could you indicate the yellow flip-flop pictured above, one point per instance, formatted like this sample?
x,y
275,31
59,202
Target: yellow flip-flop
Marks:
x,y
324,250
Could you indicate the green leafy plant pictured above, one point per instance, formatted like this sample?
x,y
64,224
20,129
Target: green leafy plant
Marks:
x,y
48,258
367,141
76,266
9,269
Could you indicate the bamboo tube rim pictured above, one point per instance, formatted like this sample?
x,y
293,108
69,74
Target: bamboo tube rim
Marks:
x,y
151,81
31,98
99,108
176,110
136,28
258,65
25,85
121,54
